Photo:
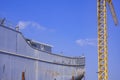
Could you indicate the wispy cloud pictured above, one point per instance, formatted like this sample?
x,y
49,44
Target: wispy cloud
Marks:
x,y
87,42
25,24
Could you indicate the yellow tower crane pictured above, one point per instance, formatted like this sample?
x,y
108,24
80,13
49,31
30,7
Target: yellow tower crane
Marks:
x,y
102,37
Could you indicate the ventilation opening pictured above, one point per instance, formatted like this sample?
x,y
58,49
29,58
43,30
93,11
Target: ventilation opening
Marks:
x,y
23,75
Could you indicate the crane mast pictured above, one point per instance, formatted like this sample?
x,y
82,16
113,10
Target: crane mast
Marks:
x,y
102,41
102,37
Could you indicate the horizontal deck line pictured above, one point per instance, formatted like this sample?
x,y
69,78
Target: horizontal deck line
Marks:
x,y
37,59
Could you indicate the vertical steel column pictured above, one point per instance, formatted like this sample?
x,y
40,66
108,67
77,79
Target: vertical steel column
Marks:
x,y
102,41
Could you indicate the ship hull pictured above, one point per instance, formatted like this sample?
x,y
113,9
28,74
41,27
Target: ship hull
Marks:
x,y
19,61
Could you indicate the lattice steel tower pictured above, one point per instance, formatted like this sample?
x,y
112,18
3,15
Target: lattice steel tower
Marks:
x,y
102,37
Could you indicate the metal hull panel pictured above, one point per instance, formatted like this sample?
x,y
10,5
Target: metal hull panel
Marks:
x,y
17,57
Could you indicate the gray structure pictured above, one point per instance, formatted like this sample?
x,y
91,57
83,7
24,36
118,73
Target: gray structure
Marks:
x,y
25,59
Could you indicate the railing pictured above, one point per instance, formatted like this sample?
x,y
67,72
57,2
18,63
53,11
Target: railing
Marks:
x,y
7,23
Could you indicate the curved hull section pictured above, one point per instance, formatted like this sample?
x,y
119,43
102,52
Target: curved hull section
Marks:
x,y
19,61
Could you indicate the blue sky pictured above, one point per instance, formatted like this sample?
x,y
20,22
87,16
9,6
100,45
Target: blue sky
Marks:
x,y
69,25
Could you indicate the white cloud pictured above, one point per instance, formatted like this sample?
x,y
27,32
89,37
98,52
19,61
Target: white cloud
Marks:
x,y
86,42
25,24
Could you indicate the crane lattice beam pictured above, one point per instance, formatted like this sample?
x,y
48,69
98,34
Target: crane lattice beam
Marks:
x,y
102,37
